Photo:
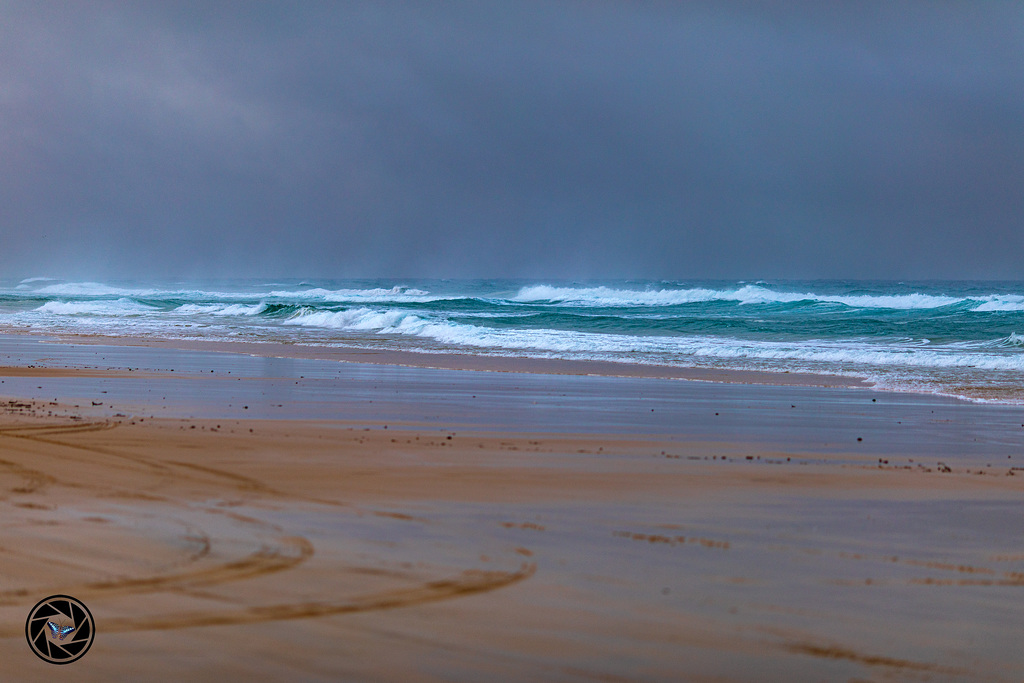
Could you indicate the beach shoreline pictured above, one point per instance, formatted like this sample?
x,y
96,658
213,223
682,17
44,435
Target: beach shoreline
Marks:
x,y
947,338
465,361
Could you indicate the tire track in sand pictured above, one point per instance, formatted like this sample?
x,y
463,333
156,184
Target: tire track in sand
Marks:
x,y
468,582
282,552
279,553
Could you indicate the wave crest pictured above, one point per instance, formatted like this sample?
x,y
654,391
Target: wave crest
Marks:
x,y
117,307
223,309
396,294
673,350
748,294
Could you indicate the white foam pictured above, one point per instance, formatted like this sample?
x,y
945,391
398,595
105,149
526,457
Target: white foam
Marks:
x,y
566,296
396,294
93,289
1013,339
376,295
748,294
836,353
1001,302
117,307
222,309
606,296
353,319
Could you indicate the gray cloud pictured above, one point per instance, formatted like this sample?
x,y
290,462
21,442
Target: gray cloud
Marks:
x,y
535,139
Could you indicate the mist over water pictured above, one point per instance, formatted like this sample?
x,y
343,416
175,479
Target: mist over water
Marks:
x,y
958,338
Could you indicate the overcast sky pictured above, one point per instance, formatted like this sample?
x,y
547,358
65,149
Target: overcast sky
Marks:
x,y
533,139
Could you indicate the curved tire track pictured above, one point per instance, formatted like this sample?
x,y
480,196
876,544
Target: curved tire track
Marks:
x,y
466,583
277,551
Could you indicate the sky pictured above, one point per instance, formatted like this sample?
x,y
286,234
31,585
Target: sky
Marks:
x,y
512,139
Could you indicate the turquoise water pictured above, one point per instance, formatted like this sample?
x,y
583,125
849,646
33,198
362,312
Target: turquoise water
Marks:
x,y
958,338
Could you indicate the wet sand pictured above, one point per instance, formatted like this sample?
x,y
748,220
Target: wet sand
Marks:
x,y
449,361
304,519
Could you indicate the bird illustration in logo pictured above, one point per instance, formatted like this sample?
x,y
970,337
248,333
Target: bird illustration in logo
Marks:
x,y
59,632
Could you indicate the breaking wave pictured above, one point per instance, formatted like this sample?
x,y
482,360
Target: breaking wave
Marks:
x,y
96,289
671,349
223,309
375,295
117,307
748,294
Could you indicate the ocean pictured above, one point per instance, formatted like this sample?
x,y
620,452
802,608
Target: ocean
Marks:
x,y
962,339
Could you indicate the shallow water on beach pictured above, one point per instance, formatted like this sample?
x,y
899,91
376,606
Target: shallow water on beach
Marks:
x,y
234,386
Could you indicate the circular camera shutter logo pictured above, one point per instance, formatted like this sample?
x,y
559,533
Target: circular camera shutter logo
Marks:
x,y
60,629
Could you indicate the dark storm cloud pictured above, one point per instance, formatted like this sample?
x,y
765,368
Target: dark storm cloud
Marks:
x,y
495,139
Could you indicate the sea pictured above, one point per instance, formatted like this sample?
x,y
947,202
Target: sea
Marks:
x,y
963,339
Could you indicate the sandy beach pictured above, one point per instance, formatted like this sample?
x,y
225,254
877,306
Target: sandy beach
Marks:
x,y
227,514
